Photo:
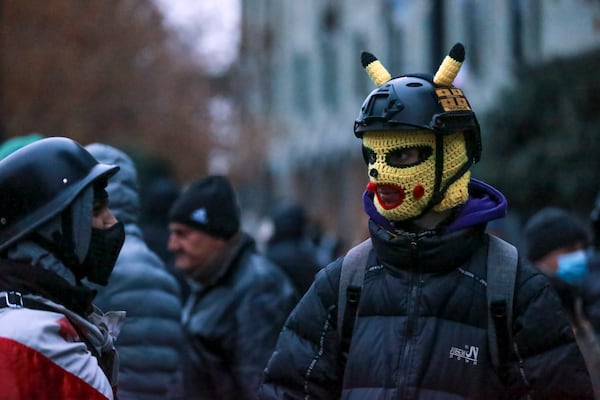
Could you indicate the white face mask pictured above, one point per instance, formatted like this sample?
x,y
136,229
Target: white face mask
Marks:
x,y
572,267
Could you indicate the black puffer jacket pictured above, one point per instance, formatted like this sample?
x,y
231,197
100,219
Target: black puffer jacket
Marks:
x,y
423,303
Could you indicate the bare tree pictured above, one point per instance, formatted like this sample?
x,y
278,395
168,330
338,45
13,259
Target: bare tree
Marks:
x,y
103,71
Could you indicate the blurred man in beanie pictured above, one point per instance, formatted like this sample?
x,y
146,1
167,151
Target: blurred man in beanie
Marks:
x,y
556,243
554,237
239,300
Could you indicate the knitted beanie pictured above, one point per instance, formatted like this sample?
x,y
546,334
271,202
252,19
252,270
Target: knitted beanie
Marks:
x,y
209,205
552,228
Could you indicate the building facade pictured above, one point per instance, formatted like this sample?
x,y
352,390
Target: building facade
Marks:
x,y
302,77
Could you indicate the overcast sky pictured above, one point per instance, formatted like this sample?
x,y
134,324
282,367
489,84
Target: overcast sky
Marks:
x,y
220,18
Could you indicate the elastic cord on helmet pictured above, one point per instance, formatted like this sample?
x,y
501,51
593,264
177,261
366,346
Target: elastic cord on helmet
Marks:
x,y
439,191
68,234
438,194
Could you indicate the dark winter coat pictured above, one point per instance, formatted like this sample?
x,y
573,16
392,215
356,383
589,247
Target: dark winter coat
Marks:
x,y
591,291
150,342
298,259
585,335
233,322
290,248
421,329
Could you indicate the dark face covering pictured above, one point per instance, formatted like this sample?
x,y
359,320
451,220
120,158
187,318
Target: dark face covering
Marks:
x,y
105,246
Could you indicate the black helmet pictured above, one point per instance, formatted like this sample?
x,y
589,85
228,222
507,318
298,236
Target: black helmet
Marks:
x,y
415,102
40,180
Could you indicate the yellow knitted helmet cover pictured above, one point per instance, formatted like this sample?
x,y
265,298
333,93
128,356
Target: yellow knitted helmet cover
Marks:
x,y
415,183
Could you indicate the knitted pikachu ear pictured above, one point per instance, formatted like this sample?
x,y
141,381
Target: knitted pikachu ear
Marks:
x,y
450,66
377,72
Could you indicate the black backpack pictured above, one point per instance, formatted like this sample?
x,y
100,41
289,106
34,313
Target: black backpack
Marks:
x,y
502,258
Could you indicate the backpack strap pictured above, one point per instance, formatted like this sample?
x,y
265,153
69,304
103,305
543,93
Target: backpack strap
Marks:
x,y
354,265
502,260
15,299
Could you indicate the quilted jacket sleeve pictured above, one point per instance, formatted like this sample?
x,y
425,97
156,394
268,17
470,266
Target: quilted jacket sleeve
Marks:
x,y
547,358
305,362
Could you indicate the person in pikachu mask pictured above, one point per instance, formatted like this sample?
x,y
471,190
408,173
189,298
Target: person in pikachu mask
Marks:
x,y
430,315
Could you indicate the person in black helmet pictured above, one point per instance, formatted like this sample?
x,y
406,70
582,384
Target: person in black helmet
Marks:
x,y
435,315
55,230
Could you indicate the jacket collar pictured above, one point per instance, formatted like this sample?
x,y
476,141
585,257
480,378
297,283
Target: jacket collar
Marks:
x,y
224,262
429,251
29,279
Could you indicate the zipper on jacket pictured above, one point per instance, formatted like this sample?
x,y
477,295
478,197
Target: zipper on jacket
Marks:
x,y
413,292
411,322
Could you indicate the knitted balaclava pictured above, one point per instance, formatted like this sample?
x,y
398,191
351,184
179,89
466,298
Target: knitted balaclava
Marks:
x,y
404,193
425,115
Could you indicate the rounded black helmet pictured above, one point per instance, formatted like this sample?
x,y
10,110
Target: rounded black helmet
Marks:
x,y
415,102
41,180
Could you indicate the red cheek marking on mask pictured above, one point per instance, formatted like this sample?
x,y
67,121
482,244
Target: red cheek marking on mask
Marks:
x,y
418,192
371,186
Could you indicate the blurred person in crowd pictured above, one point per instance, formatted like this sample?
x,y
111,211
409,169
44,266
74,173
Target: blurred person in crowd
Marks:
x,y
556,242
290,247
150,342
239,299
422,324
55,230
595,224
329,246
15,143
157,199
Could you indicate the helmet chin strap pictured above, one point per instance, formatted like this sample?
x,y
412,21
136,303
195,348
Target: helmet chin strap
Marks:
x,y
438,194
68,234
440,190
81,210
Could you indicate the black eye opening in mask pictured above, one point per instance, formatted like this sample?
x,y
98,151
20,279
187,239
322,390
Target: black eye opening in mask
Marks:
x,y
424,152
